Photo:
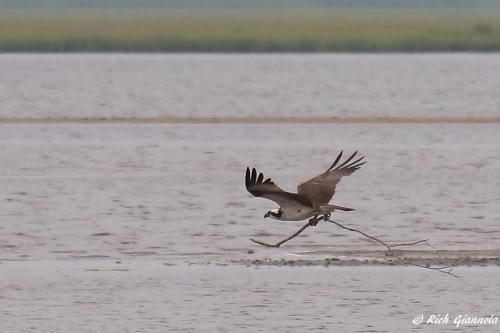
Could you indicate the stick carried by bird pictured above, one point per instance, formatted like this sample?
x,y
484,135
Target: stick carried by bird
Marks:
x,y
312,201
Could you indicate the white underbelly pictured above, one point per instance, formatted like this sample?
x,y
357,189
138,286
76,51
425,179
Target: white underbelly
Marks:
x,y
298,213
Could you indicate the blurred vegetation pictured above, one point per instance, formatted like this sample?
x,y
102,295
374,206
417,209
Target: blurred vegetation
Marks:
x,y
241,4
312,29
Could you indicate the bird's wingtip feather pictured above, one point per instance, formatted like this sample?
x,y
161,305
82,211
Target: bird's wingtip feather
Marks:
x,y
336,160
247,177
260,178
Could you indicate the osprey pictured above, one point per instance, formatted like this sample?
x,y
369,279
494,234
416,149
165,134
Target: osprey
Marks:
x,y
312,197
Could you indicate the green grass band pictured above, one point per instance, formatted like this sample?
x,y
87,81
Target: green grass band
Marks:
x,y
291,30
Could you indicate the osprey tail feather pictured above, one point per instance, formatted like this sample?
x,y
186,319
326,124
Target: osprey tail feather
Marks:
x,y
330,208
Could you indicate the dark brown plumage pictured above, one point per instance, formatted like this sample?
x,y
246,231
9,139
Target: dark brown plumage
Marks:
x,y
312,196
268,189
320,189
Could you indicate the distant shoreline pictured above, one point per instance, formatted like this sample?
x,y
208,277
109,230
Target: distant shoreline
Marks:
x,y
252,120
259,30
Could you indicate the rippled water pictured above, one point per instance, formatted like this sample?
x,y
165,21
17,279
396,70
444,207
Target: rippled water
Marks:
x,y
184,85
177,191
150,297
145,227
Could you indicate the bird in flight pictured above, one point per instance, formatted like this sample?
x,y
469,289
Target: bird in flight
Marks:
x,y
313,196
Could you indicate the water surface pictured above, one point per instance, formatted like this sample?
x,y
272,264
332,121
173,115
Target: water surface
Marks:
x,y
145,227
177,192
254,85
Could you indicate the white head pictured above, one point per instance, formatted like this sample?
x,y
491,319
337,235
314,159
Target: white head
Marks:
x,y
274,213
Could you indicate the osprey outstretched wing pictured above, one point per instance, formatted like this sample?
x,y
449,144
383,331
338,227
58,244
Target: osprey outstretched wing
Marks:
x,y
321,188
259,187
312,196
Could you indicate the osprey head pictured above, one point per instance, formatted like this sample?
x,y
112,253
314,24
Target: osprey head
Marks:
x,y
274,213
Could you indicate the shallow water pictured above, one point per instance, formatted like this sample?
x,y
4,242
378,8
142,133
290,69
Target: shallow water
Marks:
x,y
147,296
176,192
146,227
264,85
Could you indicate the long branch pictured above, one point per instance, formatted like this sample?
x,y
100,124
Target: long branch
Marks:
x,y
426,241
444,269
284,240
361,232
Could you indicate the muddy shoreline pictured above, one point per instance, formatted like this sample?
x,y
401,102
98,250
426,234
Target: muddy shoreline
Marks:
x,y
480,261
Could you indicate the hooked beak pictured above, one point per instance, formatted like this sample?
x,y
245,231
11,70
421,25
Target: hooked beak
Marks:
x,y
267,215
